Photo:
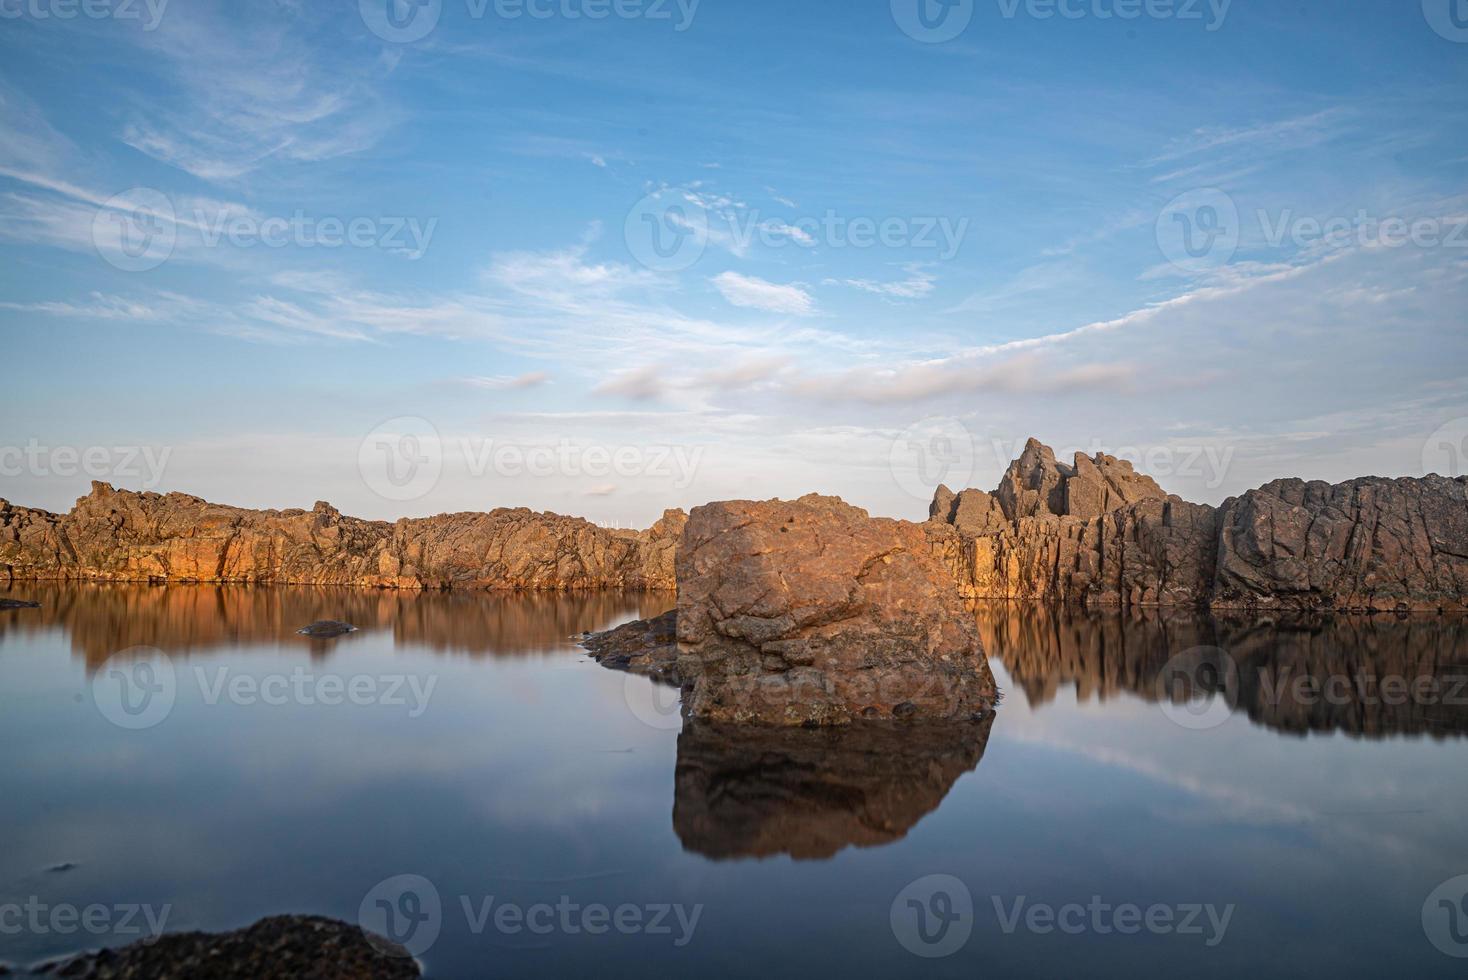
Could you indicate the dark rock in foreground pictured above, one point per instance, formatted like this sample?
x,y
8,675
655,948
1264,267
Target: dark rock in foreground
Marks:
x,y
760,792
287,947
327,629
7,604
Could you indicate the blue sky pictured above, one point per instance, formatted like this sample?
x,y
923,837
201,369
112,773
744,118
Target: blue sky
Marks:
x,y
883,240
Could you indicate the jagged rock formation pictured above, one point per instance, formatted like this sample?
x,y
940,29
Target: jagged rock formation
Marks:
x,y
114,535
809,612
1097,533
284,947
1365,676
755,793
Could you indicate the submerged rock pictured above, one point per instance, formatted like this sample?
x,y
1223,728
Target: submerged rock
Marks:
x,y
285,947
6,604
327,629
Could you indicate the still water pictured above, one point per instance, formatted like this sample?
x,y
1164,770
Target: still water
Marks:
x,y
1301,819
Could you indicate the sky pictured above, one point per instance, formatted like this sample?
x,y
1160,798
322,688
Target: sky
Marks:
x,y
607,257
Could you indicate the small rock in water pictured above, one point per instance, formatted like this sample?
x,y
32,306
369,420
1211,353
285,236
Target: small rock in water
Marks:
x,y
327,629
63,866
18,604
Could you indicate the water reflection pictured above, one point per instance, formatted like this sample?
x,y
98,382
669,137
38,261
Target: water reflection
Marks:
x,y
1366,676
744,792
101,620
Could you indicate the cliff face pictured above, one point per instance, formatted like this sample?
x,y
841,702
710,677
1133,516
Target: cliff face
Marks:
x,y
123,536
1099,534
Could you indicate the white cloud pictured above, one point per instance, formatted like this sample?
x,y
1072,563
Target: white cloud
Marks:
x,y
758,294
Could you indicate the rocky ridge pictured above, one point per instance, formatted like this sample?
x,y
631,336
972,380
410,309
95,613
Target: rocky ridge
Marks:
x,y
1097,533
123,536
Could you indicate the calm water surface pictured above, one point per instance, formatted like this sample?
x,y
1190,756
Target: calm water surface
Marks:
x,y
488,756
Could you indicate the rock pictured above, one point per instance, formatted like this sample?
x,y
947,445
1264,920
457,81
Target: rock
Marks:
x,y
327,629
810,612
745,792
646,647
1099,534
114,535
62,867
1368,544
281,948
7,604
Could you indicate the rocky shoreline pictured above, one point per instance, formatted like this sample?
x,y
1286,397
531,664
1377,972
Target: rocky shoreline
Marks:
x,y
1092,533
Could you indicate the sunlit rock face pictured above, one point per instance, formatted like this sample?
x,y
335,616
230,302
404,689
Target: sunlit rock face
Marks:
x,y
745,792
1099,534
810,612
114,535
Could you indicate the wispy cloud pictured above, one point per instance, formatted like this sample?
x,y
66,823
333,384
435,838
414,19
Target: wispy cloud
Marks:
x,y
759,294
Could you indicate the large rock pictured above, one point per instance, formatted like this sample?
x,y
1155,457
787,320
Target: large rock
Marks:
x,y
117,535
1097,533
811,612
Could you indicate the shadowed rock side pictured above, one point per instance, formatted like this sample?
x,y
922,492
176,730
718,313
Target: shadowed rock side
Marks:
x,y
196,620
763,792
1097,533
810,612
1365,676
286,947
114,535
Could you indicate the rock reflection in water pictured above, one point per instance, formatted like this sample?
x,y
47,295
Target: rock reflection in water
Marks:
x,y
759,792
180,619
1365,676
